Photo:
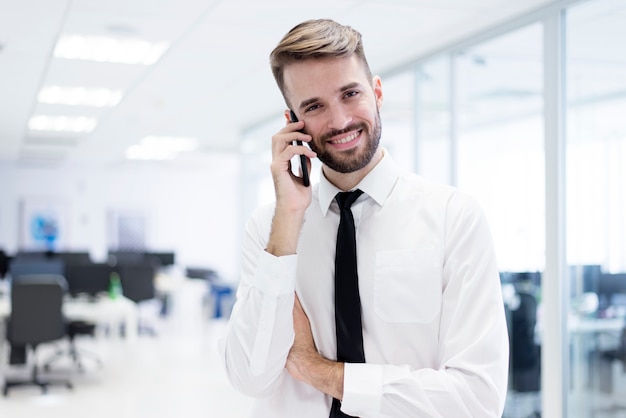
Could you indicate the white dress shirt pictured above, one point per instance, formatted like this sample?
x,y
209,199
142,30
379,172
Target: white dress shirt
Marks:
x,y
434,329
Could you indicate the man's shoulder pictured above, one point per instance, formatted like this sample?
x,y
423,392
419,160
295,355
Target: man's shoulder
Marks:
x,y
436,192
418,184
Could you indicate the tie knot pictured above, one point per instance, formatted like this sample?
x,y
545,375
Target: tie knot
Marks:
x,y
346,199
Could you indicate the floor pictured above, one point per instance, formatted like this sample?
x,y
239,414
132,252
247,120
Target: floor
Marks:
x,y
175,373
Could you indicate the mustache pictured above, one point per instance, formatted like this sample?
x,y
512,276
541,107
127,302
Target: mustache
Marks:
x,y
335,132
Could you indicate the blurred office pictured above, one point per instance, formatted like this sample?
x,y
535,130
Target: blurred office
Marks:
x,y
523,111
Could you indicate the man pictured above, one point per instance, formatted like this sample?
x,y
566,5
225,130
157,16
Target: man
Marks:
x,y
433,331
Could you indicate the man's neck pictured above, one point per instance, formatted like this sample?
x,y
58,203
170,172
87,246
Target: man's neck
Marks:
x,y
347,181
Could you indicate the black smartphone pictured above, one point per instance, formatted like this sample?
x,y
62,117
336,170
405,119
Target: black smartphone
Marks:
x,y
305,171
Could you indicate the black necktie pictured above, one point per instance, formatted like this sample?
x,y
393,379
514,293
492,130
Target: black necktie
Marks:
x,y
347,300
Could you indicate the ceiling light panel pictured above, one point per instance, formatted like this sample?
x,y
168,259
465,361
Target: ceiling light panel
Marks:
x,y
80,96
160,147
108,49
73,124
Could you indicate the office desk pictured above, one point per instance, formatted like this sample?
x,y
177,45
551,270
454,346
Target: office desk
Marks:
x,y
101,311
584,334
578,325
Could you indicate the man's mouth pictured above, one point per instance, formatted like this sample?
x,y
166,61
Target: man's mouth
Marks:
x,y
346,139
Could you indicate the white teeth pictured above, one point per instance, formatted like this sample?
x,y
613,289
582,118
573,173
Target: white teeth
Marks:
x,y
347,139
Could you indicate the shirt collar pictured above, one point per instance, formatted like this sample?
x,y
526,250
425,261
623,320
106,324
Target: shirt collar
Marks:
x,y
377,184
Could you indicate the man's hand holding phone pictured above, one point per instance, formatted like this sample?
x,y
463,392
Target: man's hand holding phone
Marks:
x,y
292,199
288,183
303,160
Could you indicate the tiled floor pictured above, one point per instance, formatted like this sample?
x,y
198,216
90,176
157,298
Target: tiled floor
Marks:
x,y
176,374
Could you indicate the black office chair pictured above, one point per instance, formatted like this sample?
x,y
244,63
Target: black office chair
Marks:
x,y
26,266
525,356
89,279
36,318
76,328
138,285
4,263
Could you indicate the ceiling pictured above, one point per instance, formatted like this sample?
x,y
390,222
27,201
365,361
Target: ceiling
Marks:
x,y
212,82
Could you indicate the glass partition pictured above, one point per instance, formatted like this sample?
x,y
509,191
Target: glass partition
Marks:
x,y
433,112
397,118
596,207
500,161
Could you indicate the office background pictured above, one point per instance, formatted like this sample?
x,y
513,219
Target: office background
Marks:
x,y
519,105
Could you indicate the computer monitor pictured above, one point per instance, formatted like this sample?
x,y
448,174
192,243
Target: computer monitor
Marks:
x,y
74,257
90,279
126,257
610,285
32,254
162,258
533,277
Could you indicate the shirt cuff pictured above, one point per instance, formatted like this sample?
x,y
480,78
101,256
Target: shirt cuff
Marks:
x,y
276,275
362,389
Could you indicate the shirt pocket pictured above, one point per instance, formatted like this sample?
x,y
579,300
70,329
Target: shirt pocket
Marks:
x,y
407,285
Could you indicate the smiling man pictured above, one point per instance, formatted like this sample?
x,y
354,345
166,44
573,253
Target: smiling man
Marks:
x,y
386,306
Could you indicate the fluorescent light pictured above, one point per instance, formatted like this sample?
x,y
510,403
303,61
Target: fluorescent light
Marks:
x,y
160,147
80,96
76,124
115,50
172,143
139,152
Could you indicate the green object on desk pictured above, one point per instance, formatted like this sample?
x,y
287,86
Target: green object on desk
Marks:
x,y
115,286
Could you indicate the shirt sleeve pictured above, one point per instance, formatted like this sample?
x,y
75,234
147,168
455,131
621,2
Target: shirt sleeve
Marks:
x,y
470,379
259,334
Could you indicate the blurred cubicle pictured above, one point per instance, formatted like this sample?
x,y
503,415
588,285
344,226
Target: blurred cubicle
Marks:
x,y
596,330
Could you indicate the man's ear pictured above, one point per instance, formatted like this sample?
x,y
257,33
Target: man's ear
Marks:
x,y
288,115
378,91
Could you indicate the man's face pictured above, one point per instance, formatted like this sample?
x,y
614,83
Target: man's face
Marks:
x,y
339,105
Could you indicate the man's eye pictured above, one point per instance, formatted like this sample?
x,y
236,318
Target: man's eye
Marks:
x,y
351,93
311,108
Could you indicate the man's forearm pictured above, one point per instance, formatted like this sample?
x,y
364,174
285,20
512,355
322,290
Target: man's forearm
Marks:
x,y
327,376
323,374
286,226
306,364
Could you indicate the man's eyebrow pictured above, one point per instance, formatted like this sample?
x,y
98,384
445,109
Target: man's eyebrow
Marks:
x,y
312,100
349,86
307,102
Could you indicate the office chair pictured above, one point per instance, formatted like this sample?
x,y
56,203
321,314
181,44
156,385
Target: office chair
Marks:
x,y
76,328
138,285
4,263
28,266
36,318
89,279
525,355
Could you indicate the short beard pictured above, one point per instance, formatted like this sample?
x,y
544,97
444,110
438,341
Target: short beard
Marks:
x,y
352,162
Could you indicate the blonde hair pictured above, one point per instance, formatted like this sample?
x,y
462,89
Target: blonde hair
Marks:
x,y
316,39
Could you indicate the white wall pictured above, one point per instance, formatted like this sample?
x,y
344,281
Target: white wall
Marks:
x,y
192,208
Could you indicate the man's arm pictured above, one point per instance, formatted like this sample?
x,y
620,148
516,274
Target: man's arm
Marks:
x,y
304,362
260,330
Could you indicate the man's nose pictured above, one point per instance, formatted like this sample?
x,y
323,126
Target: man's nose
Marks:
x,y
339,117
